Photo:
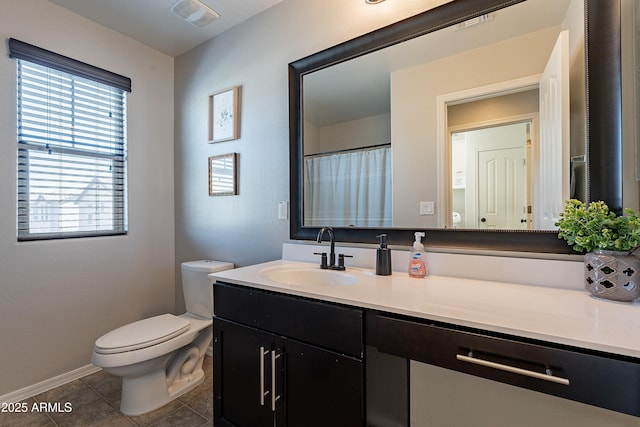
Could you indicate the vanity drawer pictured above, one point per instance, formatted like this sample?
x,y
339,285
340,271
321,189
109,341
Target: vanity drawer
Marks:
x,y
331,326
587,377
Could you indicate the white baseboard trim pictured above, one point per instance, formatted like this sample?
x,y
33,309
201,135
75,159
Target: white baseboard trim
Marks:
x,y
46,385
51,383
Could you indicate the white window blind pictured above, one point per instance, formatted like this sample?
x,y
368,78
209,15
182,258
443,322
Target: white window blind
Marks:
x,y
71,155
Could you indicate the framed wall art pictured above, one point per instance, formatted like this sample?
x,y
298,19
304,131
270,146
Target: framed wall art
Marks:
x,y
223,175
223,115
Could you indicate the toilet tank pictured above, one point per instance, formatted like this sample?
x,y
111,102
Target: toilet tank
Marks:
x,y
197,287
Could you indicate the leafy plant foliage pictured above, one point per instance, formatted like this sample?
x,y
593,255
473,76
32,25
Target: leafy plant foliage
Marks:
x,y
594,227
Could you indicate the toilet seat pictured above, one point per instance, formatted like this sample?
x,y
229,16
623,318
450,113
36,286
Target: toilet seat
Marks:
x,y
141,334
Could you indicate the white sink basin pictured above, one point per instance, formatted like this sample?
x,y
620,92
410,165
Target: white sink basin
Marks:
x,y
307,275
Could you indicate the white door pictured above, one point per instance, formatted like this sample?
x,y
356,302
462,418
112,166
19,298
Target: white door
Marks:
x,y
552,184
496,196
502,188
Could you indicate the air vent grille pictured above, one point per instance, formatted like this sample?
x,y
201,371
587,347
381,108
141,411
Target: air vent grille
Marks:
x,y
195,12
475,21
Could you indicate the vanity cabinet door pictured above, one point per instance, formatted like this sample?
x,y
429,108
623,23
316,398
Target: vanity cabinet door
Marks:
x,y
261,379
240,376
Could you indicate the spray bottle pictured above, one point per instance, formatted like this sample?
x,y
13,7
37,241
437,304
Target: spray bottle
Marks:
x,y
417,264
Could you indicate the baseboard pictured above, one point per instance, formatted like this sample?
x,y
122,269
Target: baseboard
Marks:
x,y
46,385
51,383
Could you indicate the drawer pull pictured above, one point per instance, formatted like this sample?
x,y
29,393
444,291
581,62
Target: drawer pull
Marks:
x,y
512,369
274,398
263,353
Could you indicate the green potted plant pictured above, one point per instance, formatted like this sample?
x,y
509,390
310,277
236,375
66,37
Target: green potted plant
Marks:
x,y
611,271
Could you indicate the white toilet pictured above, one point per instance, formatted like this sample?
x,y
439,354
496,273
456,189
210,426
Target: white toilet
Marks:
x,y
160,358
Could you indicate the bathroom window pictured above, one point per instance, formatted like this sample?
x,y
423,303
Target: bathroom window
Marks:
x,y
71,147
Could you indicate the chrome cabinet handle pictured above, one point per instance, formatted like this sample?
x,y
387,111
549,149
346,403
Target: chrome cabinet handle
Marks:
x,y
263,393
512,369
274,398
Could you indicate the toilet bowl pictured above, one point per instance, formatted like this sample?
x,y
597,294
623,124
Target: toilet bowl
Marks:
x,y
160,358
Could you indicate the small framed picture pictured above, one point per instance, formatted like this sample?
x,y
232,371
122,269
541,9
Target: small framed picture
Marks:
x,y
223,175
223,115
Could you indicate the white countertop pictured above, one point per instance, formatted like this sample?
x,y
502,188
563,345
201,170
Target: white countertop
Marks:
x,y
563,316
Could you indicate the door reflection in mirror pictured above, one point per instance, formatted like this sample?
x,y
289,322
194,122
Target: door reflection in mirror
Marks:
x,y
517,186
493,161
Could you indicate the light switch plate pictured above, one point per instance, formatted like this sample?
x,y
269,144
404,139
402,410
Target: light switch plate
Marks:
x,y
427,208
283,210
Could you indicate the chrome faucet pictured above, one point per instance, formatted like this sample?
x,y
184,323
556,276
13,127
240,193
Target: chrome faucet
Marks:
x,y
331,264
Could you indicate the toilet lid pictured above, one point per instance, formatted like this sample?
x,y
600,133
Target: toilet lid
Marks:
x,y
143,333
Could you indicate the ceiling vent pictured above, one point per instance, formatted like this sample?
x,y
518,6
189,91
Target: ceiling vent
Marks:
x,y
475,21
195,12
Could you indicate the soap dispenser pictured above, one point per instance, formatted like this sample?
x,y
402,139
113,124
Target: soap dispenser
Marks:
x,y
383,257
417,264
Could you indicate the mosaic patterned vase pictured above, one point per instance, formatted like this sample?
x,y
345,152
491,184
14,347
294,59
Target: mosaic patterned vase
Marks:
x,y
612,275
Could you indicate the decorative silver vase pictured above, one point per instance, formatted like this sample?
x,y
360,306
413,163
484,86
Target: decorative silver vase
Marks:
x,y
612,275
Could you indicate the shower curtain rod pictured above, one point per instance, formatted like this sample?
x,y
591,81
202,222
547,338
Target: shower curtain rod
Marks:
x,y
347,150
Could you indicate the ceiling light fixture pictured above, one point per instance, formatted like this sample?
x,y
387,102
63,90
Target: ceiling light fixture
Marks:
x,y
373,1
195,12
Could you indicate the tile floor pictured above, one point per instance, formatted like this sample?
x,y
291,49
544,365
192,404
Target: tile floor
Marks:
x,y
95,400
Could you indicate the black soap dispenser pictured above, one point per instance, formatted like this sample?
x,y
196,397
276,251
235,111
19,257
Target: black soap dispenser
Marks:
x,y
383,257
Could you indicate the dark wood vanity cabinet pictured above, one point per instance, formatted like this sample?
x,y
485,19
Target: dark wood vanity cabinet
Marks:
x,y
291,361
286,361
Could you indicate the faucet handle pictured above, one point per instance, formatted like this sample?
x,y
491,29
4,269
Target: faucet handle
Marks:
x,y
341,258
323,259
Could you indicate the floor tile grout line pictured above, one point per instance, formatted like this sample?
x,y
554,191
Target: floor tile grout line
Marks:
x,y
199,413
46,413
168,413
108,401
100,394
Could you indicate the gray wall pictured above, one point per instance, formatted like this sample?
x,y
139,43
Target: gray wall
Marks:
x,y
245,229
59,296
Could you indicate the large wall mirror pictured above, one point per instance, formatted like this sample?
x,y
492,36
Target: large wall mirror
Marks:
x,y
474,121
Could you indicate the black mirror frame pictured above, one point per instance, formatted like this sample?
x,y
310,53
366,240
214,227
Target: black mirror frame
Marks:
x,y
603,123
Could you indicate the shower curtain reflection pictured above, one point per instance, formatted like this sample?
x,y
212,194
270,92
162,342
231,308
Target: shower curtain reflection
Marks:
x,y
348,189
